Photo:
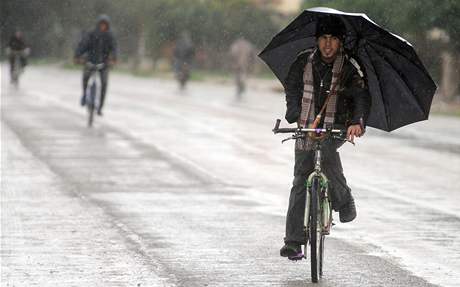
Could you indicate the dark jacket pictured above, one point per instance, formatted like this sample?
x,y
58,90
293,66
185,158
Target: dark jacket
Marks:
x,y
98,46
16,44
353,102
184,50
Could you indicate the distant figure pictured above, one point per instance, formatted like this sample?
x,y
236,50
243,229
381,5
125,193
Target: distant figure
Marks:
x,y
17,50
184,52
242,54
98,46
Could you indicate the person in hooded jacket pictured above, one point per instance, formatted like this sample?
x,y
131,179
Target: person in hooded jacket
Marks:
x,y
98,46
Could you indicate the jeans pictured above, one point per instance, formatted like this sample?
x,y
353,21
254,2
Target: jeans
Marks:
x,y
339,192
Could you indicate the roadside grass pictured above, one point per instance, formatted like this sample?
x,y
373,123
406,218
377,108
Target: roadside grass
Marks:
x,y
43,61
451,108
197,75
453,113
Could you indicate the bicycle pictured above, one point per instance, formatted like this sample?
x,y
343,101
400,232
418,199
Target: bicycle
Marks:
x,y
17,68
93,90
318,208
182,72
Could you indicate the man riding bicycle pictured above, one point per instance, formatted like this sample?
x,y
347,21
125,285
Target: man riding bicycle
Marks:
x,y
184,51
99,46
17,47
323,79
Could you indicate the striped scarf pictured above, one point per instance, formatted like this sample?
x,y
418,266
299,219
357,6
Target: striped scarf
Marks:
x,y
307,115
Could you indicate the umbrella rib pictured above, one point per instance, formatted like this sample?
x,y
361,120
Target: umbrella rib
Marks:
x,y
420,67
388,47
387,116
420,106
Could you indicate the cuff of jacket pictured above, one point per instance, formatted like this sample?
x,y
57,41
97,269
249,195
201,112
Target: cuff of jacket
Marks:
x,y
292,117
358,121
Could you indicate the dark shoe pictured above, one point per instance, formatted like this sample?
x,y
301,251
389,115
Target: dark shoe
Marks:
x,y
348,212
99,113
292,251
83,100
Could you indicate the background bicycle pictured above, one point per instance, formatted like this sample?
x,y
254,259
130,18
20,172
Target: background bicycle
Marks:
x,y
92,97
17,64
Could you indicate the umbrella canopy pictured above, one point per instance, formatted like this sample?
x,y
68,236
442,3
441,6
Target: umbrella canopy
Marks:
x,y
400,87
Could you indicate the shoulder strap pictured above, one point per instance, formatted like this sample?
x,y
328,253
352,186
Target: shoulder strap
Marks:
x,y
310,50
357,66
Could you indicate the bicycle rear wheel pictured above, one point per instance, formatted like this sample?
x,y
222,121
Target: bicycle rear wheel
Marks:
x,y
15,73
315,237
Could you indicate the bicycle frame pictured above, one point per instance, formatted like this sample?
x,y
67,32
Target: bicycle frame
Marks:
x,y
94,83
92,92
324,204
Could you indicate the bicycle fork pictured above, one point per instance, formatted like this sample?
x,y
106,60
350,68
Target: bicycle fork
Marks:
x,y
324,205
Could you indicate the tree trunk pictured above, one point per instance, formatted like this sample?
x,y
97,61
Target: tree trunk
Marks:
x,y
142,62
449,78
140,51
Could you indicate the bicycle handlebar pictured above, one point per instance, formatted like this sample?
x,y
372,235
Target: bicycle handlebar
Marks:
x,y
299,132
97,67
22,53
277,130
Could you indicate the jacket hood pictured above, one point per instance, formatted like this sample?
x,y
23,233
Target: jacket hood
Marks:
x,y
103,18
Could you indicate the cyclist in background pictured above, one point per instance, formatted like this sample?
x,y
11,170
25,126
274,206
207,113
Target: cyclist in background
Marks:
x,y
98,46
184,51
17,47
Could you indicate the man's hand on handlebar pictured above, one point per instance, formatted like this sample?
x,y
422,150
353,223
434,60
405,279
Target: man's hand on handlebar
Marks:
x,y
111,62
354,131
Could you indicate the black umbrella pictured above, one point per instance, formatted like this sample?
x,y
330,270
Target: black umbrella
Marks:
x,y
400,87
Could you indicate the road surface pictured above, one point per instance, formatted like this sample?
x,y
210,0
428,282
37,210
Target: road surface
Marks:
x,y
190,189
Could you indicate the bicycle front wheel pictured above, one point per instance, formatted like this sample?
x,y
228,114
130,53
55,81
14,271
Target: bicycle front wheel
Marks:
x,y
91,104
321,255
90,116
15,75
315,237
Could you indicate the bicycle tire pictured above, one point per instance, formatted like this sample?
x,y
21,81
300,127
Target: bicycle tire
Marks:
x,y
15,75
315,232
321,255
15,81
91,104
90,115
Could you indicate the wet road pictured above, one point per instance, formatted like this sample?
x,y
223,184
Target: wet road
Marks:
x,y
172,189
